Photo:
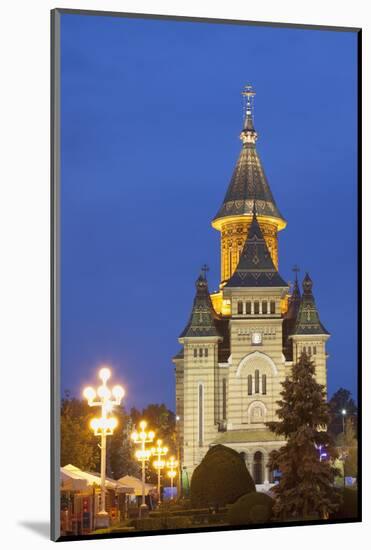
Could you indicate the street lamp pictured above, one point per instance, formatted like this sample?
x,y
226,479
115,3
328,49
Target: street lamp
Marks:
x,y
103,427
159,464
172,466
143,454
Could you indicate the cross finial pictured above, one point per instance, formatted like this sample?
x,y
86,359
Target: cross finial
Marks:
x,y
296,270
204,269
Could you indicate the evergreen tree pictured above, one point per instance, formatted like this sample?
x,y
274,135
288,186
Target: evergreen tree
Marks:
x,y
348,448
306,487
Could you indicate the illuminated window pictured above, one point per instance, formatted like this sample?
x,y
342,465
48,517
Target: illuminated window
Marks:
x,y
239,308
256,308
200,415
265,307
264,384
273,307
224,399
249,385
256,381
248,308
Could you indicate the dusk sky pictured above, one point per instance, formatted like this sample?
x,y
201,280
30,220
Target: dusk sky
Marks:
x,y
151,115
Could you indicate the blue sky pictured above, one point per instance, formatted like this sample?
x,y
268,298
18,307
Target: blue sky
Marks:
x,y
150,117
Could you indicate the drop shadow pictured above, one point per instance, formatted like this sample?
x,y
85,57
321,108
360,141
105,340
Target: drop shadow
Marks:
x,y
41,528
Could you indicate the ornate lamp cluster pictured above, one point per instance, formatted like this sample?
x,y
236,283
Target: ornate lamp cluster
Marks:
x,y
104,426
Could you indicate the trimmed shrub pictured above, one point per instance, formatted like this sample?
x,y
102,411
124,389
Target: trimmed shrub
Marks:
x,y
251,508
176,522
221,478
147,524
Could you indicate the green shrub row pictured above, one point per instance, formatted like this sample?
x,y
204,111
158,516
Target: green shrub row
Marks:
x,y
159,523
251,509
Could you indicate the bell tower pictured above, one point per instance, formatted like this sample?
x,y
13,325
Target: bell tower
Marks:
x,y
248,184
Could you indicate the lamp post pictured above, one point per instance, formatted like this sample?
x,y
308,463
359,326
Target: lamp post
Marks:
x,y
159,464
172,466
343,414
103,427
143,438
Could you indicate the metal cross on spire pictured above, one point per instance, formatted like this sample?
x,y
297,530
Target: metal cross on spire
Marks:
x,y
204,269
296,269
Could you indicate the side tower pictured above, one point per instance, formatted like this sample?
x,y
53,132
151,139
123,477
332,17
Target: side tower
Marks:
x,y
248,184
196,379
309,333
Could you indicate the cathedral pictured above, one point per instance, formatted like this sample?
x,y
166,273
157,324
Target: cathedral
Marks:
x,y
240,343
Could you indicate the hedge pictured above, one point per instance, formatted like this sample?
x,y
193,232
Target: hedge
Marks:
x,y
250,509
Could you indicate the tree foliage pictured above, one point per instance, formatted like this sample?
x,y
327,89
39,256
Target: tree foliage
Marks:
x,y
79,445
306,486
221,478
348,448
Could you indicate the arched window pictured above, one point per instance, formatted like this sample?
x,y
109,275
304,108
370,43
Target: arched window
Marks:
x,y
256,381
264,308
200,415
314,350
224,399
258,468
264,384
239,308
248,308
249,385
304,349
309,350
200,352
273,307
195,352
256,308
206,352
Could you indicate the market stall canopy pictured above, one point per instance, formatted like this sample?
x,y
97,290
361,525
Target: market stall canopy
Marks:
x,y
78,480
136,485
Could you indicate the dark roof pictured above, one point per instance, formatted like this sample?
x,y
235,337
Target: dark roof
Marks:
x,y
294,302
203,315
255,266
308,321
248,182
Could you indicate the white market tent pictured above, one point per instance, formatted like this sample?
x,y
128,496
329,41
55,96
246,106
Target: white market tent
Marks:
x,y
74,479
136,485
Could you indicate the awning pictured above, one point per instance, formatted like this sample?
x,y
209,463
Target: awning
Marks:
x,y
136,485
74,479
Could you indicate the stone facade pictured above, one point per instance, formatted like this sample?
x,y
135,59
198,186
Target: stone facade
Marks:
x,y
239,346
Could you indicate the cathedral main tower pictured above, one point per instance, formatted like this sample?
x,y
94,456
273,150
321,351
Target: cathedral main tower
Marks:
x,y
240,343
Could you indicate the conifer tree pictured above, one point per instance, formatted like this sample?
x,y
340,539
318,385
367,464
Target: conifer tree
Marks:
x,y
306,487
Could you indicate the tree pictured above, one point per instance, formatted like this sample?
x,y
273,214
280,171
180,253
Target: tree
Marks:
x,y
306,486
120,453
348,448
220,478
341,400
78,443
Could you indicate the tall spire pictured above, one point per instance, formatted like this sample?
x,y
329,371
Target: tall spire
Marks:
x,y
249,180
202,318
255,266
308,321
295,298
